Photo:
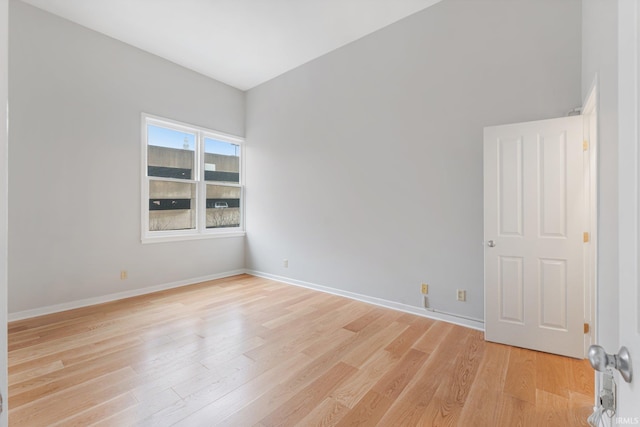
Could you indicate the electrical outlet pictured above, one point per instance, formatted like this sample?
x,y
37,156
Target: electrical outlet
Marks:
x,y
461,295
425,288
123,274
285,263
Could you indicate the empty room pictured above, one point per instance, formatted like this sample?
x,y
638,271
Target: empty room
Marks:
x,y
319,212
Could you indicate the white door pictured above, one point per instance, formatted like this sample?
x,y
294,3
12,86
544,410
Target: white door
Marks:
x,y
534,235
628,411
4,85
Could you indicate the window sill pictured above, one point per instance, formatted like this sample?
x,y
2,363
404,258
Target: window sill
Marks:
x,y
183,237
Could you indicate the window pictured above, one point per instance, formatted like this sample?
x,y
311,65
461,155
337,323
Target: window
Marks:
x,y
192,181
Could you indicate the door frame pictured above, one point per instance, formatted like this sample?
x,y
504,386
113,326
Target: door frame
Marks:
x,y
590,116
4,177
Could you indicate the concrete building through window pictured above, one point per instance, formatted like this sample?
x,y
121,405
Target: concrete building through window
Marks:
x,y
193,179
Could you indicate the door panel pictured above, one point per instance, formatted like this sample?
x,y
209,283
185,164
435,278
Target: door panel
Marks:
x,y
553,293
553,185
511,281
534,202
510,179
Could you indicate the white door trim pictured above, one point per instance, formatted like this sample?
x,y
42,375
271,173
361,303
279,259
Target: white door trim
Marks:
x,y
628,201
4,178
590,113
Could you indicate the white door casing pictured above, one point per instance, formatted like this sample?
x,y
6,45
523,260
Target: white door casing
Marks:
x,y
590,110
534,235
4,116
590,136
628,411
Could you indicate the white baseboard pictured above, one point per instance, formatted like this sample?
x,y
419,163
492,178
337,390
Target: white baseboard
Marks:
x,y
446,317
26,314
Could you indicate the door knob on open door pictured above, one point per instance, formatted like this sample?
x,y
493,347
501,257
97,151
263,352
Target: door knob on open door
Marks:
x,y
600,361
491,243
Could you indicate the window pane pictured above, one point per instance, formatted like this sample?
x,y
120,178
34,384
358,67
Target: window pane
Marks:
x,y
223,206
172,205
221,161
170,153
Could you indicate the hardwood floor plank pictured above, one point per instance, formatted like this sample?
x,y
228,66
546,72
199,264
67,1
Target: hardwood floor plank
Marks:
x,y
451,395
423,323
60,380
327,413
38,371
365,342
581,407
307,331
222,354
521,375
405,340
368,411
432,337
327,341
145,407
582,378
480,408
248,351
151,383
99,412
552,373
514,412
304,375
396,379
295,409
408,409
290,384
85,395
348,394
555,413
373,406
374,344
238,368
362,321
244,397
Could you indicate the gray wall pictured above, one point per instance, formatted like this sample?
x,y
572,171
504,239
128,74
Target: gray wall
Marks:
x,y
364,167
74,177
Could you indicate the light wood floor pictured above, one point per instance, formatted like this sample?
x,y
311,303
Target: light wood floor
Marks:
x,y
247,351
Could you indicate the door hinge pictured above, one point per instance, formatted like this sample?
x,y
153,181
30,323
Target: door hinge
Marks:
x,y
585,236
586,328
585,145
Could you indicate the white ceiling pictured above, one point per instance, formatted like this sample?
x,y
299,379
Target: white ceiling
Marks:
x,y
240,42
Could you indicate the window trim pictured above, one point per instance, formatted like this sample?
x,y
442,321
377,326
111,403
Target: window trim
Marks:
x,y
200,232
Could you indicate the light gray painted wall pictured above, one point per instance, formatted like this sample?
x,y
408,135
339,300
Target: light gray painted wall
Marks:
x,y
364,167
74,176
4,92
600,62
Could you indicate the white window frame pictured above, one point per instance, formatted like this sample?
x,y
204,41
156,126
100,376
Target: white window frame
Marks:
x,y
200,231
